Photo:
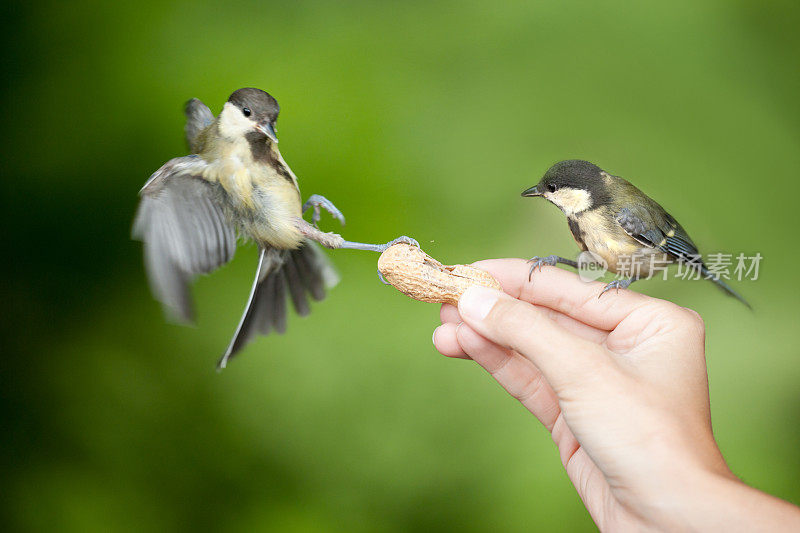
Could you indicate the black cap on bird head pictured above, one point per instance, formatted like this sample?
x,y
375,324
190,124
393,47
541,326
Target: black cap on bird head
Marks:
x,y
570,177
573,173
258,106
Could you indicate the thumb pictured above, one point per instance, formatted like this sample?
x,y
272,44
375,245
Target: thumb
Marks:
x,y
561,356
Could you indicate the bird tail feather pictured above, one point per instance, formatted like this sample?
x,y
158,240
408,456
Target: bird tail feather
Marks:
x,y
723,286
300,272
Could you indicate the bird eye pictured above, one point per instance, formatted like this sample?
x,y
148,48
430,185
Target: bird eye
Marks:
x,y
551,187
246,111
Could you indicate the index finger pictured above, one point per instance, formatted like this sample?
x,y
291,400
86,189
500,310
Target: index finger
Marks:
x,y
565,292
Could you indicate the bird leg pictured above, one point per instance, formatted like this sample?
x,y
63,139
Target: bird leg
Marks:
x,y
617,284
315,202
380,248
336,241
551,260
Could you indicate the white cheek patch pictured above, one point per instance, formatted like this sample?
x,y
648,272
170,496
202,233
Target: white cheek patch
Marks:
x,y
570,201
232,123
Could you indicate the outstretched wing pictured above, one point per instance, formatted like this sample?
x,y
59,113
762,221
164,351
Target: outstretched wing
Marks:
x,y
198,118
184,230
655,228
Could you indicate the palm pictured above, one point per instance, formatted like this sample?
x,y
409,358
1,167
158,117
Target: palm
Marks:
x,y
593,425
640,335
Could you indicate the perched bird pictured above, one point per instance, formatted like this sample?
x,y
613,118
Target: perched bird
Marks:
x,y
614,220
236,184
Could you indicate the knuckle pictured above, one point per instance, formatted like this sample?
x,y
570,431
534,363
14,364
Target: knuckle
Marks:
x,y
683,318
665,307
695,322
692,318
530,388
671,312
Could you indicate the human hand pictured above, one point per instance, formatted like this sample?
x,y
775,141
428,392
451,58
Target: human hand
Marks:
x,y
619,381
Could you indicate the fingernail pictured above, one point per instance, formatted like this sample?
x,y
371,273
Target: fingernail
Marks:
x,y
433,338
476,302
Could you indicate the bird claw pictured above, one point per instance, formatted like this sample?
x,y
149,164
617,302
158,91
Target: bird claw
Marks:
x,y
616,284
315,202
539,262
400,240
383,280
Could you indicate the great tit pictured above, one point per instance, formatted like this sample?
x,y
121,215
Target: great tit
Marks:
x,y
608,216
236,184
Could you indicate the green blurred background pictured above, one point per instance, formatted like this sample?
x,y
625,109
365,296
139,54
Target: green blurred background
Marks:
x,y
415,118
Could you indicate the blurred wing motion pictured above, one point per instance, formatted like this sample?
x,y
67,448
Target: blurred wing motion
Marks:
x,y
186,233
300,271
198,118
655,228
184,230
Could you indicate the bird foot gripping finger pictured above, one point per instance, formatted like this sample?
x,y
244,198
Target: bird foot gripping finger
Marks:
x,y
616,284
539,262
316,201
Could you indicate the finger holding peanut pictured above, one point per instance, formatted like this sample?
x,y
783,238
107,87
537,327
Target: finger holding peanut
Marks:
x,y
421,277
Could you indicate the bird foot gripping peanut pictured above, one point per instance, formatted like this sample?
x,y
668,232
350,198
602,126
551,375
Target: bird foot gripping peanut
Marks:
x,y
421,277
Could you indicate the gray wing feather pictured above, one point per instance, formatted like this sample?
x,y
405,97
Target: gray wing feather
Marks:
x,y
198,118
669,236
666,234
184,230
635,227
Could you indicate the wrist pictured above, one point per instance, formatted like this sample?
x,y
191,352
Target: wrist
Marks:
x,y
679,480
715,501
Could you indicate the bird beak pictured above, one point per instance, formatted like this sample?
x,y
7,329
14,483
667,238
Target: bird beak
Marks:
x,y
267,129
533,191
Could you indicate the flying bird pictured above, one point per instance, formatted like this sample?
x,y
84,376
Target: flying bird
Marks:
x,y
234,184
